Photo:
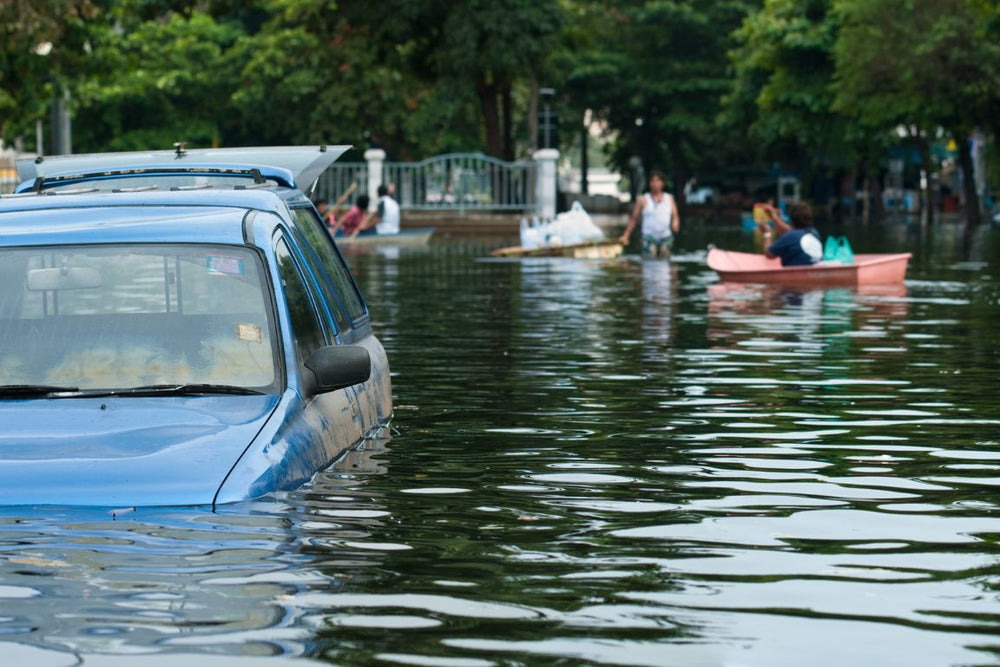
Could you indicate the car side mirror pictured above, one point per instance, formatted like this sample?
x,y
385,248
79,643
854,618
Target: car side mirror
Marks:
x,y
337,366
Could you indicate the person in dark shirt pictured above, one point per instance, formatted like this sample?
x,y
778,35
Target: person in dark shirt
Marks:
x,y
798,243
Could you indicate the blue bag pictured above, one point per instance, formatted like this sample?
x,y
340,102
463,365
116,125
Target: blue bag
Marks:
x,y
838,249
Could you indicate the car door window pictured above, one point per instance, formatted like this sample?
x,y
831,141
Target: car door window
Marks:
x,y
307,332
337,320
339,284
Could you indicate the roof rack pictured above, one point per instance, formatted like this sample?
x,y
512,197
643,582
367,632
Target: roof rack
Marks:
x,y
74,191
253,172
138,188
16,195
185,188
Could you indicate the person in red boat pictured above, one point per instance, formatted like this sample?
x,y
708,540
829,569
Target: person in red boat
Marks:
x,y
798,243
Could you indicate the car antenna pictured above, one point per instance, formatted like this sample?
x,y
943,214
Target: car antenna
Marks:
x,y
179,149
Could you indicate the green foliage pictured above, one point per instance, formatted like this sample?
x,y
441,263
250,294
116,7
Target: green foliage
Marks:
x,y
689,86
476,52
39,41
832,79
920,65
155,83
783,68
907,62
654,72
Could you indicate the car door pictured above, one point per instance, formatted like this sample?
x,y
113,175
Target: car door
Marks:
x,y
346,312
319,427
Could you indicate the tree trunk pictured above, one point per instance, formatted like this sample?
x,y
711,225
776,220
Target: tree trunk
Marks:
x,y
507,105
487,93
972,206
678,171
533,115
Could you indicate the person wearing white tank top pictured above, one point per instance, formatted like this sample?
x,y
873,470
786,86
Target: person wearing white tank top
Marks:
x,y
660,219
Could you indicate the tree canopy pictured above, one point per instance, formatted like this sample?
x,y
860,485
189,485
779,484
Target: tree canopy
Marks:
x,y
689,86
655,72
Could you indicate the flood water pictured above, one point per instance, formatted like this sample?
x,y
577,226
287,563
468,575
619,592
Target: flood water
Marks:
x,y
592,462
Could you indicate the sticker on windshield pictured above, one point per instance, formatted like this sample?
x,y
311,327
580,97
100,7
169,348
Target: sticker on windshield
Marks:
x,y
251,333
224,265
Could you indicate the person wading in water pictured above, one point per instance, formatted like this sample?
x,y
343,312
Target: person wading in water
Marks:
x,y
660,219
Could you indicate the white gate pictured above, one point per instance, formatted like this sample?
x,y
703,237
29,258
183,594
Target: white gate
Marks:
x,y
451,182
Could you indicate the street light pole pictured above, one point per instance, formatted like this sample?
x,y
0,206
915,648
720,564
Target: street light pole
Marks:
x,y
547,95
61,142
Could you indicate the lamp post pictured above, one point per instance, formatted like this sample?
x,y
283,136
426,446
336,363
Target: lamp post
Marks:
x,y
584,161
637,181
547,124
546,158
62,124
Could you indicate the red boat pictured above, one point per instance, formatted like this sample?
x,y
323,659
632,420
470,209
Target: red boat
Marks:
x,y
743,267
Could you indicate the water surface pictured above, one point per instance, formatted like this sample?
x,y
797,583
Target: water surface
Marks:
x,y
593,462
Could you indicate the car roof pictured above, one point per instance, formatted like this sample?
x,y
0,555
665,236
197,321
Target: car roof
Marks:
x,y
180,195
208,216
290,166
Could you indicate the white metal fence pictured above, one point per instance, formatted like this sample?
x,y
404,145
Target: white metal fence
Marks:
x,y
338,178
455,181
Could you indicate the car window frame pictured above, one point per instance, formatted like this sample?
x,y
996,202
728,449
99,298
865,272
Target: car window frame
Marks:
x,y
282,235
335,317
362,320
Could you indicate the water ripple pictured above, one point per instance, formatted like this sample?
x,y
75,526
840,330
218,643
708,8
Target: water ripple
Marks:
x,y
617,462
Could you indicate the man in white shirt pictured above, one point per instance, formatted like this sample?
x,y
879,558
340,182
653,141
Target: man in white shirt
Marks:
x,y
660,219
385,218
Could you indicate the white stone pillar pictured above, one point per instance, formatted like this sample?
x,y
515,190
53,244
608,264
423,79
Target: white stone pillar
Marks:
x,y
545,182
375,157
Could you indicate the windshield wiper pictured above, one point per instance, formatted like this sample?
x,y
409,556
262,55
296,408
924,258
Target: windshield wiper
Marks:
x,y
33,390
57,391
175,390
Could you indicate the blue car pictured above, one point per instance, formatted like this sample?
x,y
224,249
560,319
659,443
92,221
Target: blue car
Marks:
x,y
177,328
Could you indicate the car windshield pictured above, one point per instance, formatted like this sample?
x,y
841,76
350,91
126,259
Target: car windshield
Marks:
x,y
122,316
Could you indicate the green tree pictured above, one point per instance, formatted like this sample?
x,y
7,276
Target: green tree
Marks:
x,y
477,51
655,73
40,46
783,66
149,83
904,63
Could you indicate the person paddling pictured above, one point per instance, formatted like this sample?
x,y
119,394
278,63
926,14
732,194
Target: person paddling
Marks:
x,y
385,218
331,215
349,223
796,244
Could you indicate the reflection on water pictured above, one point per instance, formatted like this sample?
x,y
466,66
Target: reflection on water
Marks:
x,y
595,462
93,582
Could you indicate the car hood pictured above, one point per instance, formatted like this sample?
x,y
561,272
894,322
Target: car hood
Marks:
x,y
124,451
